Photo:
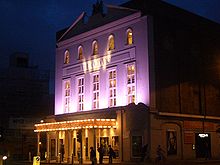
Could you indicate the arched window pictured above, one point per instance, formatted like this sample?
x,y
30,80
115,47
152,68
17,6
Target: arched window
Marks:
x,y
129,37
95,47
111,42
67,57
80,53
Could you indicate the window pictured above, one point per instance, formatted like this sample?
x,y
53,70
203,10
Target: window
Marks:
x,y
112,88
94,48
129,37
67,57
80,94
95,91
80,53
131,83
136,146
111,42
67,97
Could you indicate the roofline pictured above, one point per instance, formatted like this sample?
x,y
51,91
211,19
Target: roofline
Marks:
x,y
121,7
74,23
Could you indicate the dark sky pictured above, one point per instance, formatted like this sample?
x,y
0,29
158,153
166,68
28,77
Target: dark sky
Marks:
x,y
30,25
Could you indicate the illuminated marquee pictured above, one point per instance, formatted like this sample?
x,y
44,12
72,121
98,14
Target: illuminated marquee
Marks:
x,y
76,124
97,63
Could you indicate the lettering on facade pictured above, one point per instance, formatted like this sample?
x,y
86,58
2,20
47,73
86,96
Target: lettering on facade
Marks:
x,y
96,63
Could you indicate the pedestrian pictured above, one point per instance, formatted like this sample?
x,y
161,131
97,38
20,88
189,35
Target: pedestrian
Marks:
x,y
111,154
207,152
92,155
62,152
101,153
143,152
160,155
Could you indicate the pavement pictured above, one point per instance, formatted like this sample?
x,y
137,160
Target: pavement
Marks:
x,y
168,162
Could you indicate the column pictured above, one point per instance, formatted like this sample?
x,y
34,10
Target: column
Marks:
x,y
38,144
69,146
57,146
48,148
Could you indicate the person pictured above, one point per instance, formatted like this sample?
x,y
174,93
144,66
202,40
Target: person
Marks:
x,y
143,152
101,153
92,155
62,152
160,155
207,152
111,154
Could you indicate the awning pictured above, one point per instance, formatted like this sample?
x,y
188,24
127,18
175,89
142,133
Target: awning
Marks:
x,y
75,124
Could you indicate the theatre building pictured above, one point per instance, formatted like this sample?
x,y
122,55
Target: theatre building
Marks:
x,y
101,86
141,73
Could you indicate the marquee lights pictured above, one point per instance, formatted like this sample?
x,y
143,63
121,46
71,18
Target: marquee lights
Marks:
x,y
76,124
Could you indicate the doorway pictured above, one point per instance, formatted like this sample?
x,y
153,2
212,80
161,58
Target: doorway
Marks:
x,y
203,145
104,141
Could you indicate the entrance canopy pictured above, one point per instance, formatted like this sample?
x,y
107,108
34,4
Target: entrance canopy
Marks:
x,y
75,124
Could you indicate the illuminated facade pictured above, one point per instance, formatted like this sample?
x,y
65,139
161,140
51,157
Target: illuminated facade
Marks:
x,y
99,83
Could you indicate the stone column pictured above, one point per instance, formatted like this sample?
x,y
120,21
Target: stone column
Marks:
x,y
48,148
69,146
57,146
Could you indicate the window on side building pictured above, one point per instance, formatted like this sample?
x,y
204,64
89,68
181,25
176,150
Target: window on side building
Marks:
x,y
136,146
67,57
131,83
129,37
112,88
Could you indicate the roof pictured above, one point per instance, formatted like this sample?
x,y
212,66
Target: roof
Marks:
x,y
82,25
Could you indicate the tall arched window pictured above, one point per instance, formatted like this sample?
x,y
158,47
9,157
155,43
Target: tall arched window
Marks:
x,y
111,42
80,53
67,97
129,37
67,57
95,47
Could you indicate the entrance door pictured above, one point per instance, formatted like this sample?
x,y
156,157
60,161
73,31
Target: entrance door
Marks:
x,y
104,141
203,145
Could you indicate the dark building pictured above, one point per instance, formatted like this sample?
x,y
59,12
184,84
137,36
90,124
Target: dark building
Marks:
x,y
185,78
24,100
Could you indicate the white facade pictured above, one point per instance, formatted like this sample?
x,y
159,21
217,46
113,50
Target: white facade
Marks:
x,y
104,62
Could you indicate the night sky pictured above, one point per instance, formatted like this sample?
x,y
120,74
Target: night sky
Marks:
x,y
31,25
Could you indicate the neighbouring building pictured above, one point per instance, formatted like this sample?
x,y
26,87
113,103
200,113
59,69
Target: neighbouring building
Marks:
x,y
24,100
145,72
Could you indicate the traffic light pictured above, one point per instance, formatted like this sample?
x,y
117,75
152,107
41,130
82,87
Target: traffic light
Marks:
x,y
79,135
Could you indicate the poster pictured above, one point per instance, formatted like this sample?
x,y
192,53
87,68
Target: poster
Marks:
x,y
171,143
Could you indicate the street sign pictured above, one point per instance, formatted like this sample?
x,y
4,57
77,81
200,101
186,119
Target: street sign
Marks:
x,y
36,160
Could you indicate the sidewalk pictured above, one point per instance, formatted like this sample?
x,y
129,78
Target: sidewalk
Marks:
x,y
168,162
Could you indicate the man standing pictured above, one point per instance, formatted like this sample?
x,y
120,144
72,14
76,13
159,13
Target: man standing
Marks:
x,y
111,154
101,153
92,155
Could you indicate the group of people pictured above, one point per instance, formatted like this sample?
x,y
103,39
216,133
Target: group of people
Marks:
x,y
111,154
159,154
